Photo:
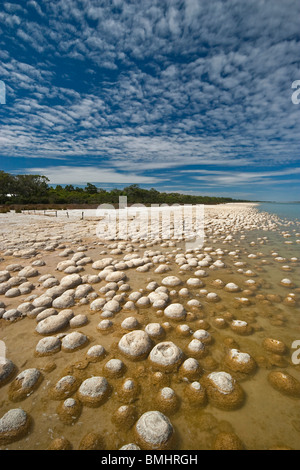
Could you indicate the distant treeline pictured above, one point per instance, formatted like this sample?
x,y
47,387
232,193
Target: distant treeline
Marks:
x,y
34,189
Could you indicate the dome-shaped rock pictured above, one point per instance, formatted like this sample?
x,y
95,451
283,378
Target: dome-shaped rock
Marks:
x,y
166,355
13,425
136,344
154,431
93,391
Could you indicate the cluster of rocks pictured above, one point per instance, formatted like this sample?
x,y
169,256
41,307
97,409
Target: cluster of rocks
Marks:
x,y
163,325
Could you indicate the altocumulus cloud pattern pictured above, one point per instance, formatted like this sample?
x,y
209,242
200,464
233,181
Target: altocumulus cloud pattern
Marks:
x,y
153,92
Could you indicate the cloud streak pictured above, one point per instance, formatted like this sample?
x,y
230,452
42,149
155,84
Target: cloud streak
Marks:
x,y
83,175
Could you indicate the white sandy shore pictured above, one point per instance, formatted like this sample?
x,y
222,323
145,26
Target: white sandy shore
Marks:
x,y
138,208
27,229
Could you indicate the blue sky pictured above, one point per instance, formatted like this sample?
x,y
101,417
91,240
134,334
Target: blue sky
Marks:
x,y
191,96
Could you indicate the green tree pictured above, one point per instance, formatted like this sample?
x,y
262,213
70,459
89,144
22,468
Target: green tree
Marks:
x,y
7,186
31,188
91,188
69,187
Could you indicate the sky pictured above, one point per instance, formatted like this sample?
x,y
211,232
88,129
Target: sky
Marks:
x,y
193,96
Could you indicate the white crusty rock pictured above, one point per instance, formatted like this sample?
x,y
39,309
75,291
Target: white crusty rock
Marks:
x,y
73,341
67,313
4,276
7,368
162,268
82,291
154,431
112,305
93,391
129,305
78,320
202,335
194,282
45,314
115,276
166,355
130,446
104,325
13,292
24,384
195,347
222,381
47,346
25,307
175,311
52,324
50,282
64,301
190,365
103,263
97,304
130,323
159,299
43,300
55,291
71,281
26,288
12,314
154,330
135,344
232,287
13,425
64,265
171,281
28,271
95,352
286,282
143,301
212,297
114,367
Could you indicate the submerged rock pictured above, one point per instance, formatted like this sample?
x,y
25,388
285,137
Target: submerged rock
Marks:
x,y
52,324
175,311
154,431
14,425
285,383
24,384
166,355
240,362
94,391
223,391
136,344
171,281
73,341
7,369
47,346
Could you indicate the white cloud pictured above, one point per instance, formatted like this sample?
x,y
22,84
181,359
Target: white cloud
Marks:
x,y
83,175
186,83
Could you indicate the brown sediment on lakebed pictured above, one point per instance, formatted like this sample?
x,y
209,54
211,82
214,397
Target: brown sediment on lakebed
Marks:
x,y
58,278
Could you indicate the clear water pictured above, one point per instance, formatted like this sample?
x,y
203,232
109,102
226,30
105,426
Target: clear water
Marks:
x,y
289,211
